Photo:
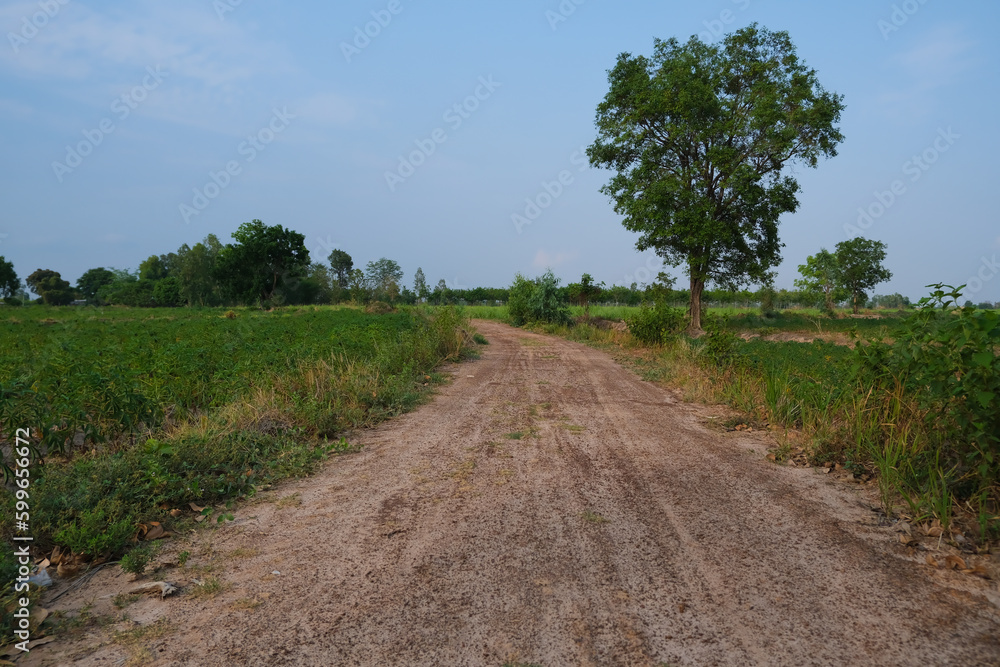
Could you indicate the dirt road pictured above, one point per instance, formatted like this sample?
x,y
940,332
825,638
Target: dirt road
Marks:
x,y
548,507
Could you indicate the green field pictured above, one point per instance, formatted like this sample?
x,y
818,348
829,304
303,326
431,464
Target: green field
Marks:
x,y
104,373
136,412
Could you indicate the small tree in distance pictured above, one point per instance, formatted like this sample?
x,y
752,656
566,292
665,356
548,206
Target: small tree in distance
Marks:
x,y
420,284
9,282
819,276
584,291
859,268
342,265
92,281
262,259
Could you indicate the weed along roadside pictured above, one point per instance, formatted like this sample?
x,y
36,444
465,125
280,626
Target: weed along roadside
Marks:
x,y
130,446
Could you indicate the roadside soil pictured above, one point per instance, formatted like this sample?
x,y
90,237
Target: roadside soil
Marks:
x,y
546,507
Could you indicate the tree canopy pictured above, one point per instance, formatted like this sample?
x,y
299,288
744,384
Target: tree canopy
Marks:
x,y
859,267
383,277
262,259
9,282
90,283
584,291
420,284
820,276
342,265
51,287
700,136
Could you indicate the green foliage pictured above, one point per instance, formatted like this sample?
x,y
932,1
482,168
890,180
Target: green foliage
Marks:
x,y
267,390
584,292
720,344
153,268
50,286
90,283
9,282
420,284
820,276
519,295
657,325
700,135
106,378
137,560
383,278
944,356
103,527
767,297
538,300
196,272
342,265
167,292
256,267
859,268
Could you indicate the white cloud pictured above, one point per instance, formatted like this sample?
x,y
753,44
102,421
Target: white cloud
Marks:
x,y
216,69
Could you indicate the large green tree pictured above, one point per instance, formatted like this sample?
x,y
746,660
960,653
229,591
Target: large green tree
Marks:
x,y
819,276
383,277
196,272
859,268
342,265
51,287
9,282
262,259
92,281
700,136
153,267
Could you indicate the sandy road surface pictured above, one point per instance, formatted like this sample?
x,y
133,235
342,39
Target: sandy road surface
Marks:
x,y
618,530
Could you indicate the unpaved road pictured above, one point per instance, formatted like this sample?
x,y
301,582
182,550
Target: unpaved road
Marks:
x,y
618,530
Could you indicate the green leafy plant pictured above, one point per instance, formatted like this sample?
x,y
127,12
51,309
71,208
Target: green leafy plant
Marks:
x,y
137,560
538,300
944,357
656,325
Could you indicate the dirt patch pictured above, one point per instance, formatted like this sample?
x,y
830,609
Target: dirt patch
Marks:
x,y
835,337
616,528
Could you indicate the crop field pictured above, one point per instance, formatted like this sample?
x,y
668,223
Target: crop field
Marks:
x,y
141,411
99,375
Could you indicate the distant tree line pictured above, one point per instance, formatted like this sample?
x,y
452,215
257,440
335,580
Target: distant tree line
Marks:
x,y
270,265
266,265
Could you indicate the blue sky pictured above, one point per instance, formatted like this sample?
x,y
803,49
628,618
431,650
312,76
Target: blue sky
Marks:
x,y
130,128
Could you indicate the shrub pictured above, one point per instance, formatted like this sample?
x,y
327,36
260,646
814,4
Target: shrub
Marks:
x,y
136,560
538,300
720,344
943,356
517,302
657,325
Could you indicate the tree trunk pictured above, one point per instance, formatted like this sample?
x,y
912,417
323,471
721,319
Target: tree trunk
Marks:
x,y
697,287
855,303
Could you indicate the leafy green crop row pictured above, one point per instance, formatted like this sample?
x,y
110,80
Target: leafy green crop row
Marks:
x,y
99,376
195,406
